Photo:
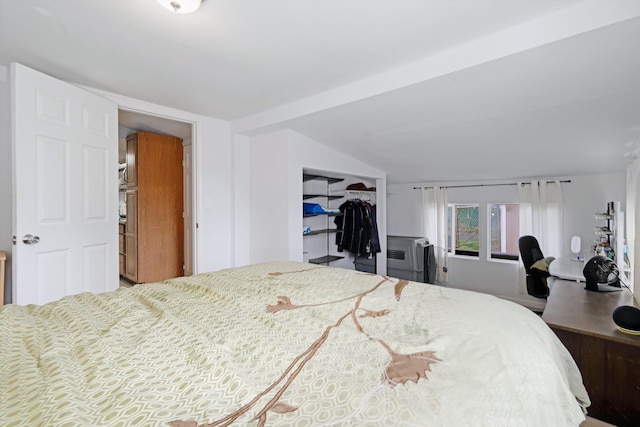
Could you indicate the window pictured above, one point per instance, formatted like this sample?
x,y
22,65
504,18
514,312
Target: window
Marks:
x,y
464,230
504,231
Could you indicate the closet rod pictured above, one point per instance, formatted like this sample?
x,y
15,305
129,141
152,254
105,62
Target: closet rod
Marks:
x,y
481,185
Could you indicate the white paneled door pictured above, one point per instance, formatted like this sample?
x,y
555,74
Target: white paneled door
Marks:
x,y
65,148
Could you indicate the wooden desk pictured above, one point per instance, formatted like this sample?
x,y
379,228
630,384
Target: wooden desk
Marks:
x,y
567,268
609,360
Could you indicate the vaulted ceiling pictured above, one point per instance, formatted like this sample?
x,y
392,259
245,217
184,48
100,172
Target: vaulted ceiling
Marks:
x,y
427,90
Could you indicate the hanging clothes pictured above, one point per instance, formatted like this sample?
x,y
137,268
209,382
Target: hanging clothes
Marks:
x,y
357,228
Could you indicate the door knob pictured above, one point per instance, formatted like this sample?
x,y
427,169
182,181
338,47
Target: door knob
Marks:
x,y
30,239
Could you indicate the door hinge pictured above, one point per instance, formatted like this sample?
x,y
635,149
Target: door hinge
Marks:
x,y
13,240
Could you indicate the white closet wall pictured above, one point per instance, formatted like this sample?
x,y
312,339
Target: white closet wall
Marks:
x,y
274,192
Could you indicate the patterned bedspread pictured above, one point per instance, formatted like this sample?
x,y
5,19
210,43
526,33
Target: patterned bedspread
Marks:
x,y
284,344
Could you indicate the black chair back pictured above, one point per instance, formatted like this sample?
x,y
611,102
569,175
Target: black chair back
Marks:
x,y
530,252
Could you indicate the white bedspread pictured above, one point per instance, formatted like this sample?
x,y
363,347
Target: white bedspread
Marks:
x,y
285,344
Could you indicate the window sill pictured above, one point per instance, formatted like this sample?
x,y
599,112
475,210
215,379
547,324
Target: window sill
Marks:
x,y
469,257
504,261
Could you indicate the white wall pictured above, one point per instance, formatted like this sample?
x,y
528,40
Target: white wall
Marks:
x,y
214,196
269,212
583,196
241,199
6,200
275,166
213,180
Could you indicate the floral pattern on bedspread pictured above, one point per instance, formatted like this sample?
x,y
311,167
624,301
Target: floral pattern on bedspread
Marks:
x,y
401,368
284,344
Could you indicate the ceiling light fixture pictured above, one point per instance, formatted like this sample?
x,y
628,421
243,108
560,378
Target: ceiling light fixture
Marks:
x,y
181,6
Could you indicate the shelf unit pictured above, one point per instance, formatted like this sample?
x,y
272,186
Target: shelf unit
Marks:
x,y
614,236
619,244
317,242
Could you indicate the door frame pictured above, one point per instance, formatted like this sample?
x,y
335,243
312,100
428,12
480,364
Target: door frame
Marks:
x,y
162,112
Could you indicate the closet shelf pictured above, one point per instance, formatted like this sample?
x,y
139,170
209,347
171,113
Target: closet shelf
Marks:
x,y
330,180
321,231
355,192
325,259
312,196
327,213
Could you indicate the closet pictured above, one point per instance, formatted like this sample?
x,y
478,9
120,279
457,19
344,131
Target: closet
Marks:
x,y
329,199
152,232
318,227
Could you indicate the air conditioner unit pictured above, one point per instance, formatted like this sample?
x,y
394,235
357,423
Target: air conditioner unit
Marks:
x,y
411,258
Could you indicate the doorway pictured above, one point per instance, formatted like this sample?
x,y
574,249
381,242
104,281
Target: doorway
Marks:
x,y
129,122
91,189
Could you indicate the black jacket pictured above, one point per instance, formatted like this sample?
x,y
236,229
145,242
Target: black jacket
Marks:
x,y
357,228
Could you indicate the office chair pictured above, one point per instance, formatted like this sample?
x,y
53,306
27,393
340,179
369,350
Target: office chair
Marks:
x,y
536,280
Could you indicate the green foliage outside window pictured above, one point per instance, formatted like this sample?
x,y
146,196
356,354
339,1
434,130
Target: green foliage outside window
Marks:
x,y
467,228
464,230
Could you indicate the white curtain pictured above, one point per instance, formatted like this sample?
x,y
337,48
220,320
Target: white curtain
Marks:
x,y
541,217
435,217
633,220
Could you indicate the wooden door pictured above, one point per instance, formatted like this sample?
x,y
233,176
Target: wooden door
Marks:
x,y
160,226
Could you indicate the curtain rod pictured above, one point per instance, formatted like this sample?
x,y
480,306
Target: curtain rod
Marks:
x,y
481,185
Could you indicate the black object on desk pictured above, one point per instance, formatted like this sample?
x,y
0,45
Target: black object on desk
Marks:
x,y
627,318
601,275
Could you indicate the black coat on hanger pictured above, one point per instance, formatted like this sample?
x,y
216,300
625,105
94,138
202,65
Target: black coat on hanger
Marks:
x,y
357,228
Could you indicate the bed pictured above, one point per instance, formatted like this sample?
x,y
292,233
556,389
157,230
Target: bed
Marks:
x,y
284,344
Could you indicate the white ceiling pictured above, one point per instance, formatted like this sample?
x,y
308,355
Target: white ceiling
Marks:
x,y
430,90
